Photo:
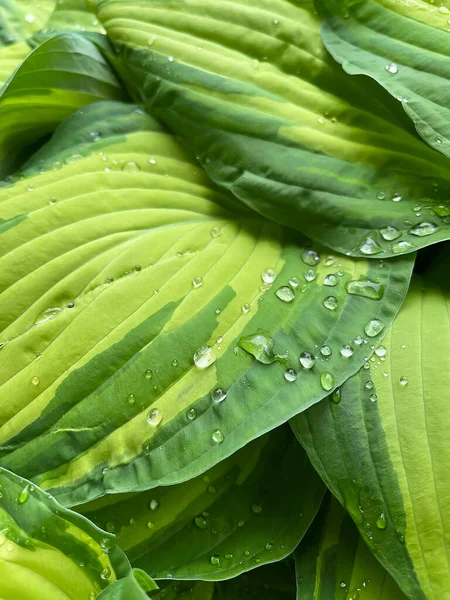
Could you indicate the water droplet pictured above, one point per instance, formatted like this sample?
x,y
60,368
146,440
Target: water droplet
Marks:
x,y
191,414
24,495
174,363
392,68
366,289
325,351
358,340
285,293
381,521
327,381
131,167
369,246
330,261
52,201
218,395
131,398
331,280
154,417
290,375
368,385
331,303
154,504
152,161
381,196
269,546
151,40
201,522
170,58
148,374
35,380
373,397
215,232
260,345
307,360
247,552
204,357
106,573
268,276
403,381
397,198
197,282
401,246
424,229
310,257
30,18
381,351
346,351
374,327
294,282
390,233
217,436
336,396
256,508
310,275
228,556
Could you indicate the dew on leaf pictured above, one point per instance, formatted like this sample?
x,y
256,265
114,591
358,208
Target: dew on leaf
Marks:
x,y
35,380
403,381
218,395
331,303
374,327
285,293
310,275
154,417
268,276
369,246
260,345
201,522
365,288
327,381
246,308
424,229
256,508
310,257
325,351
392,68
204,357
390,233
290,375
330,280
381,521
346,351
336,396
197,282
294,282
191,414
148,374
307,360
217,436
131,167
154,504
401,246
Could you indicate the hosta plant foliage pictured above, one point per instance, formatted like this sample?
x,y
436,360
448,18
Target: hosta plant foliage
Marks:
x,y
221,293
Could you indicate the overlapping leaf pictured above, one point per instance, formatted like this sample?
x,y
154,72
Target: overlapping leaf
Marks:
x,y
383,449
75,15
20,19
10,58
47,552
334,562
405,47
253,93
57,78
121,266
246,511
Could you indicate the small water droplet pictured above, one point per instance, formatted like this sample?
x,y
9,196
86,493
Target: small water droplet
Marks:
x,y
392,68
381,196
204,357
152,161
423,229
327,381
35,380
330,280
290,375
374,327
191,414
358,340
154,417
148,374
217,436
24,495
310,275
310,257
285,293
330,261
131,167
106,573
154,504
343,584
197,282
390,233
403,381
346,351
170,58
373,397
268,276
366,289
269,546
397,198
307,360
325,351
218,395
401,246
381,521
368,385
294,282
215,232
131,398
201,522
381,351
336,396
247,552
369,246
174,363
256,508
331,303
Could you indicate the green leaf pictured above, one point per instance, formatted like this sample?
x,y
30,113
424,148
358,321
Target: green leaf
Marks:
x,y
383,450
120,261
48,552
75,15
402,45
333,562
57,78
184,590
130,587
10,58
20,19
250,509
252,92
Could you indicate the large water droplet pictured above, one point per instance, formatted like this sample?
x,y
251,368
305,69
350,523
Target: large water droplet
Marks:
x,y
204,357
310,275
327,381
285,293
424,229
24,495
325,351
307,360
331,280
346,351
374,327
365,288
218,395
154,417
401,246
331,303
310,257
268,276
260,345
370,246
217,436
390,233
381,521
290,375
392,68
381,351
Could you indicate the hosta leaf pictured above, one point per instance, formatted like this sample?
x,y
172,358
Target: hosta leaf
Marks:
x,y
58,77
10,58
125,273
334,562
246,511
20,19
383,450
75,15
252,92
48,552
184,590
402,45
132,587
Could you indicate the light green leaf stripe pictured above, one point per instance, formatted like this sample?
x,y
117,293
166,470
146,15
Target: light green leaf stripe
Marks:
x,y
20,19
250,509
75,15
383,450
48,552
57,78
127,264
10,58
253,93
333,562
405,46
